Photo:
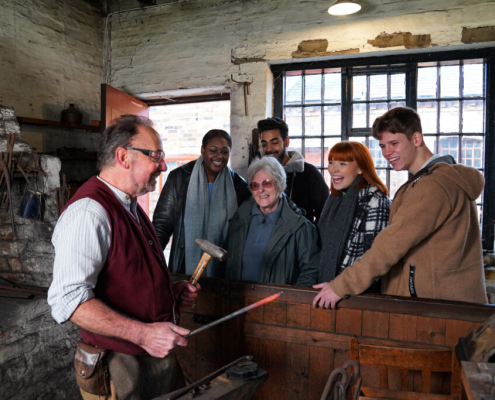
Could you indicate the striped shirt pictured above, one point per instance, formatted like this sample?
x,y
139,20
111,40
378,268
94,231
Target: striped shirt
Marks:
x,y
81,240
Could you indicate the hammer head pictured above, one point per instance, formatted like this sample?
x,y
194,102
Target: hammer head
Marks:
x,y
212,249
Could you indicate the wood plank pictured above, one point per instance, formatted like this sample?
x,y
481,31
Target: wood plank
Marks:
x,y
255,347
299,315
399,395
431,330
376,324
208,303
322,339
341,357
297,371
208,354
256,314
275,359
477,380
454,329
320,367
323,320
187,359
232,338
275,312
372,302
349,321
403,327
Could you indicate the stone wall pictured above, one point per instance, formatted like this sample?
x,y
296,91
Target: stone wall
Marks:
x,y
189,45
51,51
36,355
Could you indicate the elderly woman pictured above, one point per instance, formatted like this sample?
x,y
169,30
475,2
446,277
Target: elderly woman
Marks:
x,y
270,241
197,202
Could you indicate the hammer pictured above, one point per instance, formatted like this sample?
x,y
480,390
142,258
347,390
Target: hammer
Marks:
x,y
210,250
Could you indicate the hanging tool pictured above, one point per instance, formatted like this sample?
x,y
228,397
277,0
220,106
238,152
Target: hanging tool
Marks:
x,y
210,250
236,313
246,92
62,195
7,172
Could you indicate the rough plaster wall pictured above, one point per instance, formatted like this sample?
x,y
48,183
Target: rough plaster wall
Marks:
x,y
193,44
51,51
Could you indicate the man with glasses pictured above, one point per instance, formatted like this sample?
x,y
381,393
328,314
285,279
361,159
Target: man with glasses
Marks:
x,y
305,184
110,276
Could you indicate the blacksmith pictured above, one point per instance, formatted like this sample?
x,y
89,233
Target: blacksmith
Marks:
x,y
110,276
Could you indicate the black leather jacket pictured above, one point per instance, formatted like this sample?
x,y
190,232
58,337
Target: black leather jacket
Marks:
x,y
168,217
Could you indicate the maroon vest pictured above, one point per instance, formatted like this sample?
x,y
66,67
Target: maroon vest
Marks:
x,y
134,280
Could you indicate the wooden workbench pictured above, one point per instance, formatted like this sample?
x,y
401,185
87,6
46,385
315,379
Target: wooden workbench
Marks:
x,y
299,346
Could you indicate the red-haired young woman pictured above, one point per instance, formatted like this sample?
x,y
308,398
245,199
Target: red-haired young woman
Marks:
x,y
356,211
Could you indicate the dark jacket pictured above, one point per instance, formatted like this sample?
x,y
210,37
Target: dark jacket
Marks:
x,y
168,217
306,186
292,255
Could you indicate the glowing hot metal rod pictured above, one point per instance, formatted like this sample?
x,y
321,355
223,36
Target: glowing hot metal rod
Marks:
x,y
236,313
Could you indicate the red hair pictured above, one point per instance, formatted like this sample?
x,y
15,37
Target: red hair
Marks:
x,y
355,151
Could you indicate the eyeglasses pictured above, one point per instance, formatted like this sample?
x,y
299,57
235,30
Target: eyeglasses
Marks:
x,y
155,155
266,184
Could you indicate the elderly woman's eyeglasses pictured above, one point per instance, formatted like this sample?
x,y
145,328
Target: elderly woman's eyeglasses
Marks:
x,y
155,155
266,184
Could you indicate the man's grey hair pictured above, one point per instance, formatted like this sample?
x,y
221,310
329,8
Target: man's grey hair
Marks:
x,y
118,134
272,167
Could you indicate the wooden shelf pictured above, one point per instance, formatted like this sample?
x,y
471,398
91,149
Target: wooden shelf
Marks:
x,y
35,121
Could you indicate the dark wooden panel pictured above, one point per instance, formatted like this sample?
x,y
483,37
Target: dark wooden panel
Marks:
x,y
275,363
256,314
376,324
454,329
187,355
232,338
431,330
299,315
208,303
275,312
299,346
372,302
323,320
297,371
208,351
349,321
321,362
340,357
254,347
403,327
308,337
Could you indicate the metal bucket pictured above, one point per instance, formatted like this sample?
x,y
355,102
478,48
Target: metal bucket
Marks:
x,y
32,205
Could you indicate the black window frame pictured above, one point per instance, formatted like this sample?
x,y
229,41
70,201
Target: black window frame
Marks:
x,y
409,63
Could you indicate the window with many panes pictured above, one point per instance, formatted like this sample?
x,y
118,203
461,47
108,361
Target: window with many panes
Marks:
x,y
326,102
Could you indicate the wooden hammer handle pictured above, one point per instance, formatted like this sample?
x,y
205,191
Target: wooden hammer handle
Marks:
x,y
205,259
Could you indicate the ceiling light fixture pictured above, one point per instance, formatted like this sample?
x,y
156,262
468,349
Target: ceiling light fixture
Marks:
x,y
344,7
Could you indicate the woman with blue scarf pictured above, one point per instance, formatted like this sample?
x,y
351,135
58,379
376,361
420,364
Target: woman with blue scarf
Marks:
x,y
197,202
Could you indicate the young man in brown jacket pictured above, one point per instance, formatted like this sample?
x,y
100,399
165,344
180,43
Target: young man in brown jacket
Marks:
x,y
432,246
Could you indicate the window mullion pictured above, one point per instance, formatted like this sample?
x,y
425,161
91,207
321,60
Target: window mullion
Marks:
x,y
489,193
346,109
412,86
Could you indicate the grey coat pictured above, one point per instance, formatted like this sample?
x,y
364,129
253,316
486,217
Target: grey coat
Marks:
x,y
292,254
